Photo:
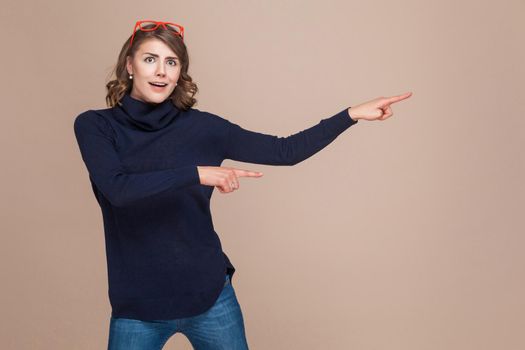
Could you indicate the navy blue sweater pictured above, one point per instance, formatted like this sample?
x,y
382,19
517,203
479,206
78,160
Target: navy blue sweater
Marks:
x,y
164,258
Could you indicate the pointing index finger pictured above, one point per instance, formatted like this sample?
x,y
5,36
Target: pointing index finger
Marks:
x,y
398,98
247,173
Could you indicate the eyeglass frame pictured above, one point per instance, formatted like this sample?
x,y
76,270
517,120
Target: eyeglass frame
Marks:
x,y
158,23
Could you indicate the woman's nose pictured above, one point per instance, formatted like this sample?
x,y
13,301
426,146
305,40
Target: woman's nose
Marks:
x,y
161,70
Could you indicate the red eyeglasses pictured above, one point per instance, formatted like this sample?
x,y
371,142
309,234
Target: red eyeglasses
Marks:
x,y
177,28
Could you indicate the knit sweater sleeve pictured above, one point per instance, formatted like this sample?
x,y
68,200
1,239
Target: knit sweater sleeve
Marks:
x,y
98,152
254,147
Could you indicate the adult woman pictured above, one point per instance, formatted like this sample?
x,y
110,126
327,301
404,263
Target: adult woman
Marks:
x,y
153,162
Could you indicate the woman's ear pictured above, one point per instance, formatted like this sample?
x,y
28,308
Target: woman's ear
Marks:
x,y
128,65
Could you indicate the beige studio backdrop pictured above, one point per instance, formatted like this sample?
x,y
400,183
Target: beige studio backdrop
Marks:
x,y
402,234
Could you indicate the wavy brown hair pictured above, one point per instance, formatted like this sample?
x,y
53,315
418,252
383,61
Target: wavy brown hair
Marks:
x,y
182,95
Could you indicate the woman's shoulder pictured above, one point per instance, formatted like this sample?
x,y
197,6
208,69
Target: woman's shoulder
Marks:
x,y
208,117
93,113
93,118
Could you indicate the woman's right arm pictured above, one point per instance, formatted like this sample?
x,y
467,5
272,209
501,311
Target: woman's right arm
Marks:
x,y
105,169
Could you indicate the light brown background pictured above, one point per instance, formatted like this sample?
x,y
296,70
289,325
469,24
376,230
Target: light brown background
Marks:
x,y
402,234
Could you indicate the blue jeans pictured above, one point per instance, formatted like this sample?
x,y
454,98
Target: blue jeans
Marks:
x,y
221,327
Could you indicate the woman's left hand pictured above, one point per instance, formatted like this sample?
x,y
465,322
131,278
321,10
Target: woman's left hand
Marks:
x,y
376,109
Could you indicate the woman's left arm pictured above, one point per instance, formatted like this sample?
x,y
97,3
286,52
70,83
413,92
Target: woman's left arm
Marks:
x,y
255,147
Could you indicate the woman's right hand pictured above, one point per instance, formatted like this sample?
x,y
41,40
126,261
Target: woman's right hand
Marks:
x,y
224,178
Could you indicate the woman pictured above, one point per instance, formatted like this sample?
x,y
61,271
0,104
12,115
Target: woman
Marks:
x,y
153,163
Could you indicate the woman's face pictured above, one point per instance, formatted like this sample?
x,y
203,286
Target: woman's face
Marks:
x,y
154,62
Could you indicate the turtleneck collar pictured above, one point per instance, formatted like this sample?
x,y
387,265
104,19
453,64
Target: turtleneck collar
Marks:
x,y
146,115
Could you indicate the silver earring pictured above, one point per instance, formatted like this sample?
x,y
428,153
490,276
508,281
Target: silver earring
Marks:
x,y
131,76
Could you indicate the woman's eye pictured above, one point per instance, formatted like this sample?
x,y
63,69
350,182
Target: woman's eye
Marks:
x,y
173,61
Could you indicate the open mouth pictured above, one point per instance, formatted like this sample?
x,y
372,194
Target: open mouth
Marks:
x,y
158,86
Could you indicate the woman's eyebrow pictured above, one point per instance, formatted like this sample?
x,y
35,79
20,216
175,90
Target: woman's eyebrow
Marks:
x,y
152,54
